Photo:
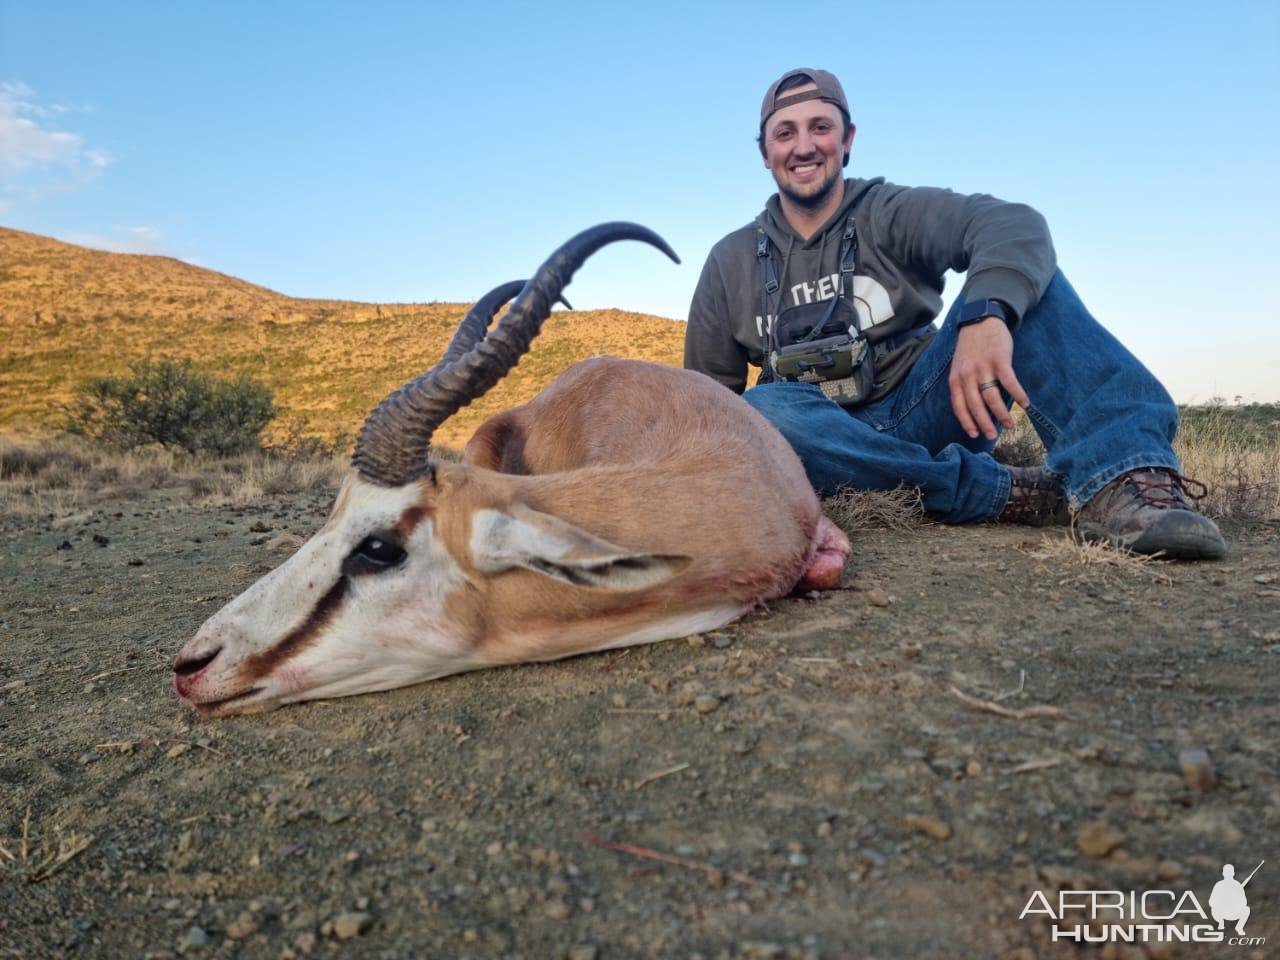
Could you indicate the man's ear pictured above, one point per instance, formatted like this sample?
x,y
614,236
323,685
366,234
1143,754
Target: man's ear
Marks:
x,y
848,143
546,544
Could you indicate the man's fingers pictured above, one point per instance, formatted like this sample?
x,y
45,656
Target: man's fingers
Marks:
x,y
978,407
961,409
994,401
1010,382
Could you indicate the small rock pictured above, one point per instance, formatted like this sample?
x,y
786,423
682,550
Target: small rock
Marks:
x,y
305,942
1097,839
15,685
65,545
557,910
705,703
136,562
1197,769
798,860
824,828
877,597
243,926
333,815
583,951
1264,578
349,925
720,641
258,527
88,758
195,938
102,541
1169,870
929,825
177,750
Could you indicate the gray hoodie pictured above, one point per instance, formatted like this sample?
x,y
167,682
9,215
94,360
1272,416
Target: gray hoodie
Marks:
x,y
908,237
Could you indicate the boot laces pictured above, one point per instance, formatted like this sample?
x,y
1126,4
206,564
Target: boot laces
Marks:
x,y
1164,489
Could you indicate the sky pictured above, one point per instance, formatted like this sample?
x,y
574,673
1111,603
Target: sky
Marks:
x,y
386,152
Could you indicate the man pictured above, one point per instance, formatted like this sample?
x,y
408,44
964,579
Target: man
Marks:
x,y
833,290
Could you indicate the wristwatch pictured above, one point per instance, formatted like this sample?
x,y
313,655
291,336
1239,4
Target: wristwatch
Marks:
x,y
976,310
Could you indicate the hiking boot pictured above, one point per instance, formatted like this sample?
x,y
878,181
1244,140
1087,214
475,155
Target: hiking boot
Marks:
x,y
1147,511
1035,499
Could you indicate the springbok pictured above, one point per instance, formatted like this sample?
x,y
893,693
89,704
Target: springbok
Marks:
x,y
627,503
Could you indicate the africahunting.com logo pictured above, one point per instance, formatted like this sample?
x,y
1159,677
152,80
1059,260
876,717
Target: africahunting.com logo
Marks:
x,y
1152,916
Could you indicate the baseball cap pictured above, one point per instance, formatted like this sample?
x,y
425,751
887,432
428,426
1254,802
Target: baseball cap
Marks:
x,y
829,90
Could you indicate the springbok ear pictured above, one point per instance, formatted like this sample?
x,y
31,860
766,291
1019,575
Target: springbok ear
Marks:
x,y
545,544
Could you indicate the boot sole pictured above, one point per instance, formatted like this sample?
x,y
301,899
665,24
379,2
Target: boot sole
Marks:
x,y
1179,535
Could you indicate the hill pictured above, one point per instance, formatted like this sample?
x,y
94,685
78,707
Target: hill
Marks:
x,y
68,313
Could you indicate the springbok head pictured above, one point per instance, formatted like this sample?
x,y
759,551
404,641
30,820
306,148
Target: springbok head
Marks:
x,y
396,587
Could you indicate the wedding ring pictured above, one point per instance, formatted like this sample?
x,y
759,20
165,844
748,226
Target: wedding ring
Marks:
x,y
988,384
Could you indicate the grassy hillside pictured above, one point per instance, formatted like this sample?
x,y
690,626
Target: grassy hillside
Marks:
x,y
68,313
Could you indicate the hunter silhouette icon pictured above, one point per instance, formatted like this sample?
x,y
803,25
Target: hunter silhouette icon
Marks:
x,y
1228,902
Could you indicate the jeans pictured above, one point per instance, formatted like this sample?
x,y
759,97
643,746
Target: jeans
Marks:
x,y
1096,408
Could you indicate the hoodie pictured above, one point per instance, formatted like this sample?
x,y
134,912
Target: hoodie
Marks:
x,y
908,238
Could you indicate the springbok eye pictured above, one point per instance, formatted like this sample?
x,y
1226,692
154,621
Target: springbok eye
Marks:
x,y
373,555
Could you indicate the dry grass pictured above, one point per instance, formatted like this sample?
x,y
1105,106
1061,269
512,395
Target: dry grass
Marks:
x,y
1096,557
60,473
853,510
1239,464
36,854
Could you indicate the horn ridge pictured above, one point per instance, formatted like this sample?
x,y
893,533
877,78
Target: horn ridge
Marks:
x,y
393,445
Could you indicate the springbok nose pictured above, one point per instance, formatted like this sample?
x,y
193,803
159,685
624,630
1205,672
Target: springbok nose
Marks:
x,y
193,665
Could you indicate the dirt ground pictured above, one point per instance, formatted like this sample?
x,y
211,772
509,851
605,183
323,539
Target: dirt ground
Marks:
x,y
824,790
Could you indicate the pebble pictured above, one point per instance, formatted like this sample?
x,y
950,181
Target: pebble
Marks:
x,y
1197,769
824,828
929,825
243,926
195,938
720,641
177,750
705,703
15,685
583,951
877,597
557,910
349,925
798,860
1097,839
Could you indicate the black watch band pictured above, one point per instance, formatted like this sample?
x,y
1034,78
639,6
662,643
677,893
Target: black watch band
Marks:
x,y
976,310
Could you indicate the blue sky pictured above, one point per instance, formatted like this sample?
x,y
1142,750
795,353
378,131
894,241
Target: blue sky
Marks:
x,y
407,152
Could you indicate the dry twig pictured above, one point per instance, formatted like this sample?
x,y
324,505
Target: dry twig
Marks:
x,y
660,774
710,869
1017,713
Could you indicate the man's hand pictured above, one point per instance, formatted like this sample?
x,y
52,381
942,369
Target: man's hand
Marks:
x,y
984,355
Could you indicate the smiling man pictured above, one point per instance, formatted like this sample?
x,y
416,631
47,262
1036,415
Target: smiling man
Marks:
x,y
834,290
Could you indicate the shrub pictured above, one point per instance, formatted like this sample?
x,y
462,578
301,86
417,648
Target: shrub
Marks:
x,y
174,404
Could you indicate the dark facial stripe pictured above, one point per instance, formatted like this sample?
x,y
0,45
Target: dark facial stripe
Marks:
x,y
409,520
260,665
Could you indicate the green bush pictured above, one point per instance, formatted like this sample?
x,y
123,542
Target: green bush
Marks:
x,y
174,404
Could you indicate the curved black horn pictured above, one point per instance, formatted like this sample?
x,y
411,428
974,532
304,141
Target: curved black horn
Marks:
x,y
393,445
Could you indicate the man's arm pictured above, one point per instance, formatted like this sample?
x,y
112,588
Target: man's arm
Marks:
x,y
709,346
1005,247
1009,256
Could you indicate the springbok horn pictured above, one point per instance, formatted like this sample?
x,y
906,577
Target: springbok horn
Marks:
x,y
393,446
475,325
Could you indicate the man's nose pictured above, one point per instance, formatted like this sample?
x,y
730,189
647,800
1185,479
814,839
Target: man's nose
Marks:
x,y
804,143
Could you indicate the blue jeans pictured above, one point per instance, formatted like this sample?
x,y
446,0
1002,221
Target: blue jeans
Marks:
x,y
1097,409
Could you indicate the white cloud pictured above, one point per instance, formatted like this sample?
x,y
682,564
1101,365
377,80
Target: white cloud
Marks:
x,y
34,153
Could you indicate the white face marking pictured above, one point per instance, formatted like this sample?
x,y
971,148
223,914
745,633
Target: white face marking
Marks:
x,y
382,629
